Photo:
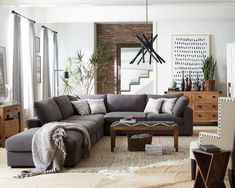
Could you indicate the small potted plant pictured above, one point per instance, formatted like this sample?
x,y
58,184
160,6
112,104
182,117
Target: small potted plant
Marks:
x,y
208,68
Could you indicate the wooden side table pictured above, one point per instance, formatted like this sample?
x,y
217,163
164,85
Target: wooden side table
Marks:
x,y
9,121
211,169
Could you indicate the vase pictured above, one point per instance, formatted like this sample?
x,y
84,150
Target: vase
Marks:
x,y
208,85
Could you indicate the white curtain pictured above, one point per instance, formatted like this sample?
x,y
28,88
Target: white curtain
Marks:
x,y
55,58
17,85
46,78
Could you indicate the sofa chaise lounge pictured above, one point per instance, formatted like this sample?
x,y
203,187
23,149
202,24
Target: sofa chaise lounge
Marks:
x,y
19,152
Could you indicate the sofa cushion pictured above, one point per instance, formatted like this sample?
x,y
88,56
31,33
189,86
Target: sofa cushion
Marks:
x,y
180,105
163,96
97,118
97,106
72,97
125,103
153,106
90,126
65,106
22,142
47,111
165,117
116,116
81,106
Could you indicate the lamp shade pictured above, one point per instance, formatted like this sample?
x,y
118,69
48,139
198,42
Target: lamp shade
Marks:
x,y
66,74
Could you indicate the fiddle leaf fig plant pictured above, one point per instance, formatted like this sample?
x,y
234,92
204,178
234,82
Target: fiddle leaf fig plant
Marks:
x,y
208,68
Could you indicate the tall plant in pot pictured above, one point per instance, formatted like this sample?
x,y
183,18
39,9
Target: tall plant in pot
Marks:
x,y
208,68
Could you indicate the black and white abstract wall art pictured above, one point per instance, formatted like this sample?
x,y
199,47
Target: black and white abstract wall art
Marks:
x,y
188,52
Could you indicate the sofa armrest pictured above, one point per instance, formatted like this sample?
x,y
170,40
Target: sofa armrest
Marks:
x,y
32,123
188,121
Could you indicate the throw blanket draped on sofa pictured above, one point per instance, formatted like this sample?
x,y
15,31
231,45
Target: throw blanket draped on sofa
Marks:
x,y
48,149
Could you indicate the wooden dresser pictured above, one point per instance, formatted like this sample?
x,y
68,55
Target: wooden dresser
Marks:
x,y
204,105
9,121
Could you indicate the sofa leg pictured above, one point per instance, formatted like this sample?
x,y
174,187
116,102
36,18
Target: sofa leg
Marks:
x,y
231,178
193,169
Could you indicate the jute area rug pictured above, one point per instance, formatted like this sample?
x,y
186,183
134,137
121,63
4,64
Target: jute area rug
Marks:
x,y
121,159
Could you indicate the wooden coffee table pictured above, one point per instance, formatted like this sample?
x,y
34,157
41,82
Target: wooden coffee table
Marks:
x,y
144,126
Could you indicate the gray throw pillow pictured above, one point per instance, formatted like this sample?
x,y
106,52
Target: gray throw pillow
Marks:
x,y
65,106
97,106
168,105
82,107
180,105
153,106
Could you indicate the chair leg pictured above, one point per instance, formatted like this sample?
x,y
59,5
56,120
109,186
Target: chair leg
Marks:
x,y
193,169
231,178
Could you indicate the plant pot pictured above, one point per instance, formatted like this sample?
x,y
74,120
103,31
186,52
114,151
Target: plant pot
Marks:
x,y
208,85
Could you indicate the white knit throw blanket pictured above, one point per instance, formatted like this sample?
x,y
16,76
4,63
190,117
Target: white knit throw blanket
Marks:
x,y
48,149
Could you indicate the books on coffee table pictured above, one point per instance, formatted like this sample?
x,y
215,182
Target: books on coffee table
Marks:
x,y
209,148
127,120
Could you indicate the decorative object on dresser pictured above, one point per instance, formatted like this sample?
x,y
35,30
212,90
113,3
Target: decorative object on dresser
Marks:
x,y
10,121
208,68
204,105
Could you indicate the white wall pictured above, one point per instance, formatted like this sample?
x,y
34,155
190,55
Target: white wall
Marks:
x,y
221,31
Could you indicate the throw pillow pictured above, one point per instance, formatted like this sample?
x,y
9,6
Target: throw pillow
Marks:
x,y
168,105
153,106
65,106
97,106
180,105
81,106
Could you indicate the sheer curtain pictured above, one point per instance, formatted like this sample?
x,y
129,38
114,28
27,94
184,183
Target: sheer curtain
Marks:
x,y
50,63
24,55
46,78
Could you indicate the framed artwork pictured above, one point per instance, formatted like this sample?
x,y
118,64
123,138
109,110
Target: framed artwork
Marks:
x,y
38,64
188,51
2,71
37,44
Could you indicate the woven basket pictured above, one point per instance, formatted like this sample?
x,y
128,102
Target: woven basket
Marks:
x,y
138,144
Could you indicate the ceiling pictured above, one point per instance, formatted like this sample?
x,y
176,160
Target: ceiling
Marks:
x,y
105,2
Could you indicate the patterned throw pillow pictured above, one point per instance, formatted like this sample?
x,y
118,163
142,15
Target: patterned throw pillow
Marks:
x,y
168,105
82,106
153,106
97,106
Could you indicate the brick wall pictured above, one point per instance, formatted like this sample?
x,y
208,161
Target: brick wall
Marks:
x,y
115,34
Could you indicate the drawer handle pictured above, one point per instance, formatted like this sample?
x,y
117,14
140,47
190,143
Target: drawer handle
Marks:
x,y
214,97
199,115
199,97
199,106
214,106
214,115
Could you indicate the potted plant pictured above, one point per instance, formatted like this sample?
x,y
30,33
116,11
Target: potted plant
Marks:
x,y
208,68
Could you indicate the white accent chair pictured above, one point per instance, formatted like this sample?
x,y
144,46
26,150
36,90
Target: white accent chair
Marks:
x,y
224,138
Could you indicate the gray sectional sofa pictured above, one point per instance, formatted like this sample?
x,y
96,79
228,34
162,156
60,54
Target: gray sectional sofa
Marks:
x,y
60,109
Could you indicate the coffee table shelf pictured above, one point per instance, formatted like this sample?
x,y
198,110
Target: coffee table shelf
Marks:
x,y
143,126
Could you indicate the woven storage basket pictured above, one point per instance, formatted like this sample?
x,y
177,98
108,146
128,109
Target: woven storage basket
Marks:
x,y
138,144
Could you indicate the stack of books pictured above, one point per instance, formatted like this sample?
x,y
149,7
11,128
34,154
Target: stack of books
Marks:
x,y
153,149
210,148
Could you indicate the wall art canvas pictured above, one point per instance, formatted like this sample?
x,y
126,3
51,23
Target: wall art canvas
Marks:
x,y
2,71
188,51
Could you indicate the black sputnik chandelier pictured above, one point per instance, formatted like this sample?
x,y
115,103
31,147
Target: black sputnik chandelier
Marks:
x,y
147,46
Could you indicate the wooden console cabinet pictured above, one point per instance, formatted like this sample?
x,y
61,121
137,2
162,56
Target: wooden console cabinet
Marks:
x,y
204,105
9,121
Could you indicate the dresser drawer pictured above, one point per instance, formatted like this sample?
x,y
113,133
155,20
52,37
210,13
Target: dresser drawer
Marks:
x,y
205,116
205,97
205,107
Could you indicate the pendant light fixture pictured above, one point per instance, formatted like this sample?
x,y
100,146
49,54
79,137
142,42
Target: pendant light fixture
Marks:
x,y
147,46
